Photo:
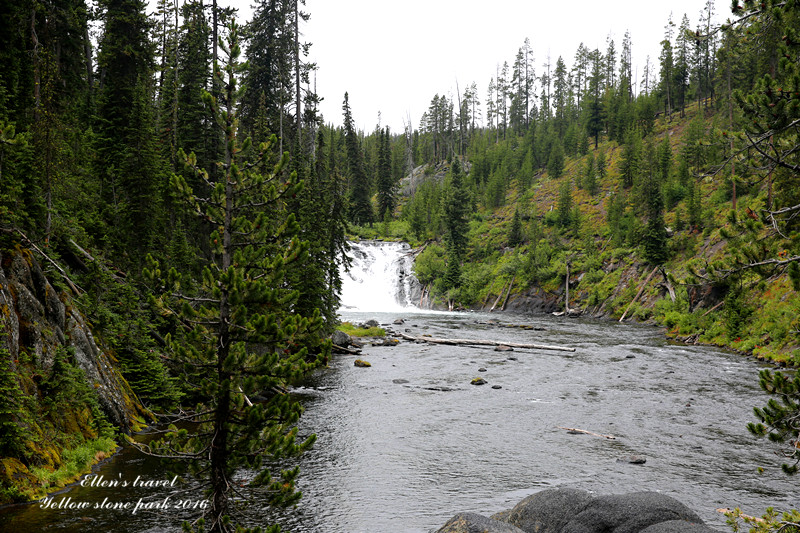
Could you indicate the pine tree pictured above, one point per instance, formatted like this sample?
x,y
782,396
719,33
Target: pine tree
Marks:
x,y
127,163
779,420
515,232
386,185
239,337
654,240
630,163
456,210
564,208
555,162
360,187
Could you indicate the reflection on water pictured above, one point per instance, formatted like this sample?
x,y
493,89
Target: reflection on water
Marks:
x,y
407,443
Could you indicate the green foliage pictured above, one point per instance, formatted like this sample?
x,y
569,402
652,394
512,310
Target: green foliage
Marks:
x,y
430,264
13,426
75,463
66,389
555,161
564,208
778,420
515,236
238,335
771,521
630,164
355,331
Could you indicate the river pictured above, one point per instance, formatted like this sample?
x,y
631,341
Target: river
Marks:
x,y
407,443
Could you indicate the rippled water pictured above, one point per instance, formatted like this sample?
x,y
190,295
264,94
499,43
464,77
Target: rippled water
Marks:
x,y
407,443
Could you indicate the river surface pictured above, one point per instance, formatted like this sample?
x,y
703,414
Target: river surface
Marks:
x,y
404,445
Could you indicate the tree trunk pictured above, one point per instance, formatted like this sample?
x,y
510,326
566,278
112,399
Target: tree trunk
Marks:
x,y
297,69
484,342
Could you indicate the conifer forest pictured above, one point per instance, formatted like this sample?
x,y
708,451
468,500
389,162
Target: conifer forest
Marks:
x,y
175,213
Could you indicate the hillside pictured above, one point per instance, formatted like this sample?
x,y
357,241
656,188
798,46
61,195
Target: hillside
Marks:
x,y
604,252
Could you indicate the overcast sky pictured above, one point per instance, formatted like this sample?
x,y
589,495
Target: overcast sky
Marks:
x,y
393,56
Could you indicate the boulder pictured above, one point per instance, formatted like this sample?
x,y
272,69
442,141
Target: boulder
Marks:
x,y
628,513
547,511
361,363
372,323
340,338
478,381
476,523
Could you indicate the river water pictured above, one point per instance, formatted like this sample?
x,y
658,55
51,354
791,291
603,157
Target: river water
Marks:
x,y
407,443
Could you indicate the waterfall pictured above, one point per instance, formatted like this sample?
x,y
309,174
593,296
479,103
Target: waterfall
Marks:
x,y
381,278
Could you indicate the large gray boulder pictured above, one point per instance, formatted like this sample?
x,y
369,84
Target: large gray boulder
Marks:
x,y
340,338
547,511
476,523
628,513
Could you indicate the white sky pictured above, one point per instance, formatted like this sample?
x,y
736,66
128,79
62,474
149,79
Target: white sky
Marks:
x,y
393,56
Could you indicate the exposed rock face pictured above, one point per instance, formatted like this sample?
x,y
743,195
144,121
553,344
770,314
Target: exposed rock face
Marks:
x,y
37,322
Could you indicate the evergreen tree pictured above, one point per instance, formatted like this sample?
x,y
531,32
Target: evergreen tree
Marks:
x,y
594,106
240,336
778,420
555,163
631,158
194,132
564,209
654,240
126,164
386,184
515,232
456,210
360,189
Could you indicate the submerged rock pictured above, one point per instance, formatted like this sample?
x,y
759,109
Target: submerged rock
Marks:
x,y
503,348
633,459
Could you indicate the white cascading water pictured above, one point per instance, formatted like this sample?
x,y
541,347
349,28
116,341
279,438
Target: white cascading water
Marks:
x,y
381,278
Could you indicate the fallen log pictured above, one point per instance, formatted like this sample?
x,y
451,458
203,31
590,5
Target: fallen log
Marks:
x,y
576,430
335,348
641,290
483,342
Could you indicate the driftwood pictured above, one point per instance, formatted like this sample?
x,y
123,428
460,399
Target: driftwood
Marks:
x,y
576,430
510,286
668,285
335,348
638,294
482,342
497,301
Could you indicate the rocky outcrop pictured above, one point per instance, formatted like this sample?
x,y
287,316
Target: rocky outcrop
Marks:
x,y
568,510
38,322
